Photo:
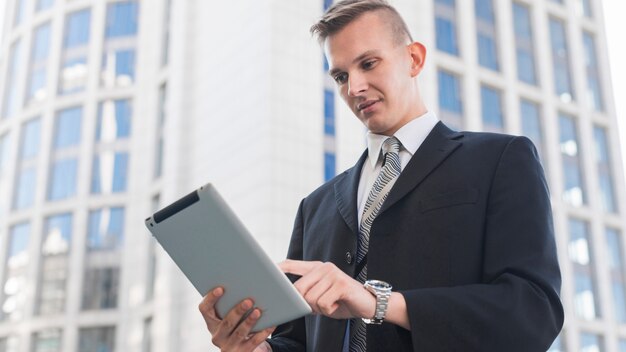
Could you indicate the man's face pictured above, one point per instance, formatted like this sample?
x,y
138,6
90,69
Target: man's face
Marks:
x,y
374,73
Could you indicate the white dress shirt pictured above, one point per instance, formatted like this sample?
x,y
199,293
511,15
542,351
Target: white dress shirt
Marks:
x,y
411,137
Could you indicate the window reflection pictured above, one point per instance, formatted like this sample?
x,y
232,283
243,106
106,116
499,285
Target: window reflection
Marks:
x,y
560,61
55,250
486,34
73,75
63,179
106,229
524,44
445,26
594,91
491,106
38,64
97,339
580,254
450,99
16,273
574,191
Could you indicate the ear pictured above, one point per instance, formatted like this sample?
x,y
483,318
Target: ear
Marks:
x,y
417,51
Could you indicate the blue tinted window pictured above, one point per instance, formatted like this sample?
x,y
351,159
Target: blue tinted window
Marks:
x,y
591,342
491,109
57,235
106,229
616,263
44,5
531,124
73,75
121,19
594,92
329,165
20,12
31,135
603,163
19,239
486,34
560,61
109,173
77,29
25,189
524,44
63,179
67,129
114,120
4,152
445,27
581,256
11,95
41,43
450,93
329,112
586,7
574,192
118,67
37,84
556,345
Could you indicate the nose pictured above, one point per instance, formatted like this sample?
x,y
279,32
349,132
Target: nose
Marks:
x,y
357,84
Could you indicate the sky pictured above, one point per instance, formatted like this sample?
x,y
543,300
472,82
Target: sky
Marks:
x,y
614,11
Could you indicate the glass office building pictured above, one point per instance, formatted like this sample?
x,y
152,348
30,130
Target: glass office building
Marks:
x,y
110,109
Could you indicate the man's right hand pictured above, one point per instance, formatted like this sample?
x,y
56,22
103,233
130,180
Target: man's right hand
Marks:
x,y
229,336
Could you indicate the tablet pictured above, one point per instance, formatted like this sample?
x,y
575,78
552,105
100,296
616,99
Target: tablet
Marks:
x,y
211,246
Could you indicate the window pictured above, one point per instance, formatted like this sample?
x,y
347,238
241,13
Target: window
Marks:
x,y
560,61
585,8
14,68
491,107
524,44
166,33
99,339
106,229
557,345
47,341
450,101
616,274
121,19
55,250
622,345
594,92
43,5
486,34
73,75
38,62
603,163
574,191
20,12
118,68
445,26
531,125
114,120
16,272
67,128
4,152
109,172
591,342
580,254
26,181
63,179
31,135
100,288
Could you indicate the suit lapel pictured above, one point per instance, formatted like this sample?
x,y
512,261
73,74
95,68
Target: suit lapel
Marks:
x,y
346,190
439,144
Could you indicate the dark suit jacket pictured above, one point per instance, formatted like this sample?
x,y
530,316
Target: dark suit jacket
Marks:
x,y
465,235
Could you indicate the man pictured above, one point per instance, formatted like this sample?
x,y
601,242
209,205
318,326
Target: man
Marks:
x,y
458,224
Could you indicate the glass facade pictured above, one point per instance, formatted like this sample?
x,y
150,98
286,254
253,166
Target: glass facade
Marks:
x,y
616,272
486,34
603,164
48,340
580,255
594,92
63,179
100,288
114,120
40,51
445,26
560,61
106,229
73,73
55,249
118,57
574,189
450,99
531,126
67,128
524,47
10,105
16,274
491,107
591,342
97,339
43,5
109,172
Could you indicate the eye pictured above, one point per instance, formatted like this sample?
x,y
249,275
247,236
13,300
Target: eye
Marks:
x,y
341,78
369,64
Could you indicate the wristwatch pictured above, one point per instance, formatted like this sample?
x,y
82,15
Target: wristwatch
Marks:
x,y
382,291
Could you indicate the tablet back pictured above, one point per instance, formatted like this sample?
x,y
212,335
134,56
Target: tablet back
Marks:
x,y
213,248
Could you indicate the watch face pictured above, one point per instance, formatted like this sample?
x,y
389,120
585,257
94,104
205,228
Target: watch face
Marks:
x,y
379,285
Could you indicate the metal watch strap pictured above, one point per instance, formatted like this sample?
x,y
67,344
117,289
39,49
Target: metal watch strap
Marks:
x,y
382,291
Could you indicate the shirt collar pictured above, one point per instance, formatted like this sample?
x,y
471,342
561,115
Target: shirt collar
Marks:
x,y
411,136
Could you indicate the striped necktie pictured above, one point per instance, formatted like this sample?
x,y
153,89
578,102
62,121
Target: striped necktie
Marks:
x,y
386,178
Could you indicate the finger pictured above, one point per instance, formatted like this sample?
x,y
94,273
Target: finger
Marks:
x,y
259,337
312,278
230,321
207,307
315,291
297,267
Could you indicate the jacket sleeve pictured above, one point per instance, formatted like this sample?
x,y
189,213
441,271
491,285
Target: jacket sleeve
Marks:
x,y
291,336
516,306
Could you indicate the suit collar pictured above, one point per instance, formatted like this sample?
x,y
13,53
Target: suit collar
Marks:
x,y
346,190
439,144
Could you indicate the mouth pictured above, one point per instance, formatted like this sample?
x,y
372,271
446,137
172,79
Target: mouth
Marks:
x,y
366,105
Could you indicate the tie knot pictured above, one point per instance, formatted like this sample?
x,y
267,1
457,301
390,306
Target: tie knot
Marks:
x,y
391,144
